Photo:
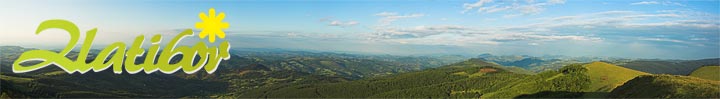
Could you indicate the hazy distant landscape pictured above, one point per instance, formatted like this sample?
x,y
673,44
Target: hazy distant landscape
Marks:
x,y
360,49
301,74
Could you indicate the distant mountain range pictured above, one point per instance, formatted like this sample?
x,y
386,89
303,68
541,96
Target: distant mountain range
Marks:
x,y
543,63
478,79
300,74
674,67
245,70
554,62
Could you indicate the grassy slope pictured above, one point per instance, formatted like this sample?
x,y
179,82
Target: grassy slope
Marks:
x,y
464,80
368,87
707,72
460,80
667,86
670,67
569,81
106,84
452,80
605,77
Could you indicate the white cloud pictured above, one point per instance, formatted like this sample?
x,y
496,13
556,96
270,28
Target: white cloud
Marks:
x,y
556,1
527,7
422,31
389,17
292,34
463,36
478,4
539,37
332,22
489,39
669,40
645,3
620,20
446,39
534,44
655,16
666,3
342,24
699,39
698,24
582,27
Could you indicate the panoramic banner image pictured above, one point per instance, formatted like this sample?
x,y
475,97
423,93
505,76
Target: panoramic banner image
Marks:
x,y
360,49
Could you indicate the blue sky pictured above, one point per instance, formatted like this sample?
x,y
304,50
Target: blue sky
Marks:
x,y
670,29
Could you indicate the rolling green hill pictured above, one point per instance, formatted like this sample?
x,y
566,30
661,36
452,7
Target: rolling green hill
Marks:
x,y
667,86
469,79
472,78
605,77
476,79
427,83
329,75
569,81
707,72
592,80
674,67
340,64
106,84
246,70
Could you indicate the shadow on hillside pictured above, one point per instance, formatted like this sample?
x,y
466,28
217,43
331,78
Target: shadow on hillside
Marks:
x,y
106,84
564,94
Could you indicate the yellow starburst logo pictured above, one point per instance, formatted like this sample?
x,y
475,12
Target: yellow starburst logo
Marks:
x,y
212,25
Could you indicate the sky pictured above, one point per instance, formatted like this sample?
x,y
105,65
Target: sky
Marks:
x,y
666,29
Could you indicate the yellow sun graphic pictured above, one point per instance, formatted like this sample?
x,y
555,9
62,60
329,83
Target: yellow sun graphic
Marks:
x,y
212,25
